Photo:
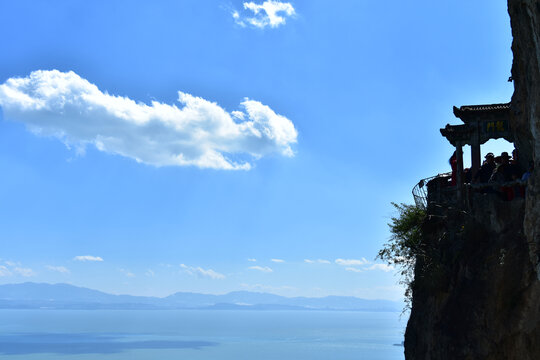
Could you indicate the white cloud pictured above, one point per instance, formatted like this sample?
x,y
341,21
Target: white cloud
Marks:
x,y
127,273
252,260
87,258
14,269
150,273
320,261
270,13
352,262
200,272
261,287
277,260
353,269
265,269
4,271
26,272
383,267
209,273
60,269
198,133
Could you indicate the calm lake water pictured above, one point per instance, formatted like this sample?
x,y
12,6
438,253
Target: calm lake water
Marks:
x,y
199,335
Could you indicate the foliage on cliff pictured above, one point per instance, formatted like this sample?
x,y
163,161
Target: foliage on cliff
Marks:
x,y
405,243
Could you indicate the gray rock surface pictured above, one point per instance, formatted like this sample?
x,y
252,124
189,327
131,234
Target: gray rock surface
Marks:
x,y
525,20
476,293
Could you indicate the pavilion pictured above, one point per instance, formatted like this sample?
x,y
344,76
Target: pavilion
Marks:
x,y
480,124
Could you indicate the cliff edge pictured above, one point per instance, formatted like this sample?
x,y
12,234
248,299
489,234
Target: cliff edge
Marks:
x,y
476,291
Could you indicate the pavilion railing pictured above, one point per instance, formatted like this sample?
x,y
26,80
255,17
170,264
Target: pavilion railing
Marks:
x,y
420,191
438,189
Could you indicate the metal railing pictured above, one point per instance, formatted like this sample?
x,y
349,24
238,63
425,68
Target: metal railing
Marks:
x,y
420,190
439,190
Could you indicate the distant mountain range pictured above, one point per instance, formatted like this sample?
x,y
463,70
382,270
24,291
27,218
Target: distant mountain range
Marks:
x,y
63,296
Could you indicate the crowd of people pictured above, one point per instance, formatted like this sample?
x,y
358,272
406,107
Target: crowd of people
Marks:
x,y
497,170
501,169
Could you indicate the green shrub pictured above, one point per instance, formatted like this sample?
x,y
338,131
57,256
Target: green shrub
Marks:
x,y
405,244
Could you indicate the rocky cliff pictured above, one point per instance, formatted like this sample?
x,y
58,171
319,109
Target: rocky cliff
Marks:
x,y
476,293
525,21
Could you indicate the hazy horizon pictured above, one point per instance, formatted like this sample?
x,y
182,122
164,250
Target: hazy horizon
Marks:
x,y
187,292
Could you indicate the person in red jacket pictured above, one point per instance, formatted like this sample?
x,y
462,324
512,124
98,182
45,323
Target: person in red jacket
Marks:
x,y
453,165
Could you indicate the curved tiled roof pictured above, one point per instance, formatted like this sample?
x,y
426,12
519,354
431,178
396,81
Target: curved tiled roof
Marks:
x,y
490,107
468,110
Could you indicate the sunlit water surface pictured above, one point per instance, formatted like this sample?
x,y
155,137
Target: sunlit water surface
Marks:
x,y
199,335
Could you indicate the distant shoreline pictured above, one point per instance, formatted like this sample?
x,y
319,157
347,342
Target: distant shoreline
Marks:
x,y
196,309
32,296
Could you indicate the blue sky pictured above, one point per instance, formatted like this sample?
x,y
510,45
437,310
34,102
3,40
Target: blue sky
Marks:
x,y
301,122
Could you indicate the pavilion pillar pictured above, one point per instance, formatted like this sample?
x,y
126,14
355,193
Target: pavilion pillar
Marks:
x,y
475,159
459,171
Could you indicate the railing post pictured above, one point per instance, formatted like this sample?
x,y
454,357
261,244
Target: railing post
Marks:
x,y
459,172
475,159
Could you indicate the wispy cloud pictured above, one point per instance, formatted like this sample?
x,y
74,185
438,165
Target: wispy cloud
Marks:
x,y
26,272
261,287
127,273
200,272
268,14
87,258
319,261
60,269
150,273
198,133
12,268
277,260
352,262
382,267
264,269
252,260
4,271
353,265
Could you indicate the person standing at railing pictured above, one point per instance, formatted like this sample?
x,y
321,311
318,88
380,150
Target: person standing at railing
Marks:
x,y
503,171
503,174
485,171
453,165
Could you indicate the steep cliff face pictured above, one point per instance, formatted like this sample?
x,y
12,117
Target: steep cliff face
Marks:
x,y
476,293
525,21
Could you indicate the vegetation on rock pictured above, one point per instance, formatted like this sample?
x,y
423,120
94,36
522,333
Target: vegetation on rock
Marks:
x,y
405,244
